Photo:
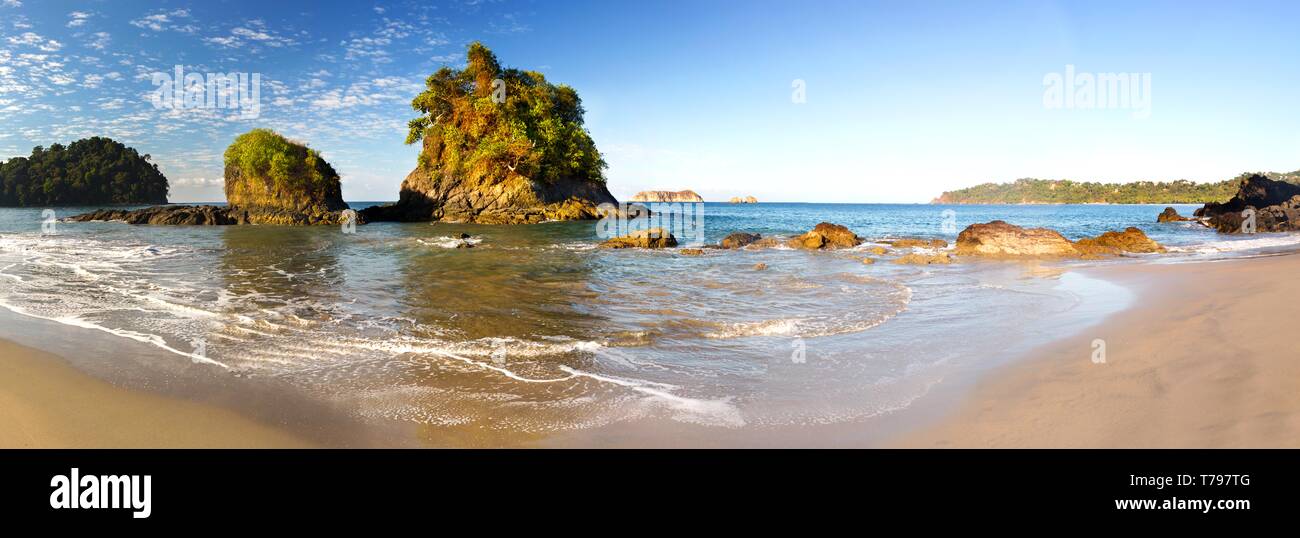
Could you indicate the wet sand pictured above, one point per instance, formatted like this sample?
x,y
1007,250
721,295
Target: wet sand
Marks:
x,y
46,403
1205,358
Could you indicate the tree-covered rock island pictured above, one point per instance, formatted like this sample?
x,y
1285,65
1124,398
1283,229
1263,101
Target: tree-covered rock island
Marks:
x,y
269,179
499,146
91,171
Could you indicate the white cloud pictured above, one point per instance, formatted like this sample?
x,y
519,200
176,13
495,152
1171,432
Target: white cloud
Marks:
x,y
199,182
77,18
33,39
99,40
11,3
165,20
253,32
92,81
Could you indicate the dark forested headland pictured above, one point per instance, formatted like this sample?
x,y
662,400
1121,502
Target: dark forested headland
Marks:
x,y
1064,191
91,171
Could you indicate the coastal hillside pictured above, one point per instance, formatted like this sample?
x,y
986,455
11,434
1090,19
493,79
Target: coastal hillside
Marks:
x,y
91,171
500,146
1064,191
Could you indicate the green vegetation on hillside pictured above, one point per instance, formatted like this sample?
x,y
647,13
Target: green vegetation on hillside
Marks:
x,y
91,171
1046,191
476,128
289,166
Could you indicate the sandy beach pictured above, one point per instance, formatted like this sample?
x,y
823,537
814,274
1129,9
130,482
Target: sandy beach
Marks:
x,y
1205,358
45,403
1202,358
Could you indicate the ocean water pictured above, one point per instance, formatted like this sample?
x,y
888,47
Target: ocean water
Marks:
x,y
535,331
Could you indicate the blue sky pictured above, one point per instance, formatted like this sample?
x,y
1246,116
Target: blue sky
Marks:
x,y
902,100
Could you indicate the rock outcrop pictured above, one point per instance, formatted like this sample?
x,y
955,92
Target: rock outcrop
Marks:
x,y
268,180
278,181
739,240
1000,239
827,236
651,238
1276,205
745,200
1171,215
498,154
203,215
1113,243
667,196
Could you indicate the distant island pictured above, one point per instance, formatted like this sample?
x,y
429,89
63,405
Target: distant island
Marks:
x,y
91,171
745,200
1064,191
667,196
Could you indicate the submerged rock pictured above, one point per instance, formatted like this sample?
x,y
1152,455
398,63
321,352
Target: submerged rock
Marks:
x,y
1276,205
760,266
739,239
998,238
924,259
911,242
766,242
827,236
1171,215
691,252
651,238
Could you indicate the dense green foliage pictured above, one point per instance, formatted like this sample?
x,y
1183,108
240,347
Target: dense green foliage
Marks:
x,y
1046,191
289,166
91,171
476,128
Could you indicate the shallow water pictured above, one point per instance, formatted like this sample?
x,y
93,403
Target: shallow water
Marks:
x,y
534,330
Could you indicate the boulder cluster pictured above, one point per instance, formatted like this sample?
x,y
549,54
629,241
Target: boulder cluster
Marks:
x,y
1275,206
996,239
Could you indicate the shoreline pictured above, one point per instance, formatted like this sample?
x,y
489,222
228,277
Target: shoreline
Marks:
x,y
47,403
1021,402
1201,359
